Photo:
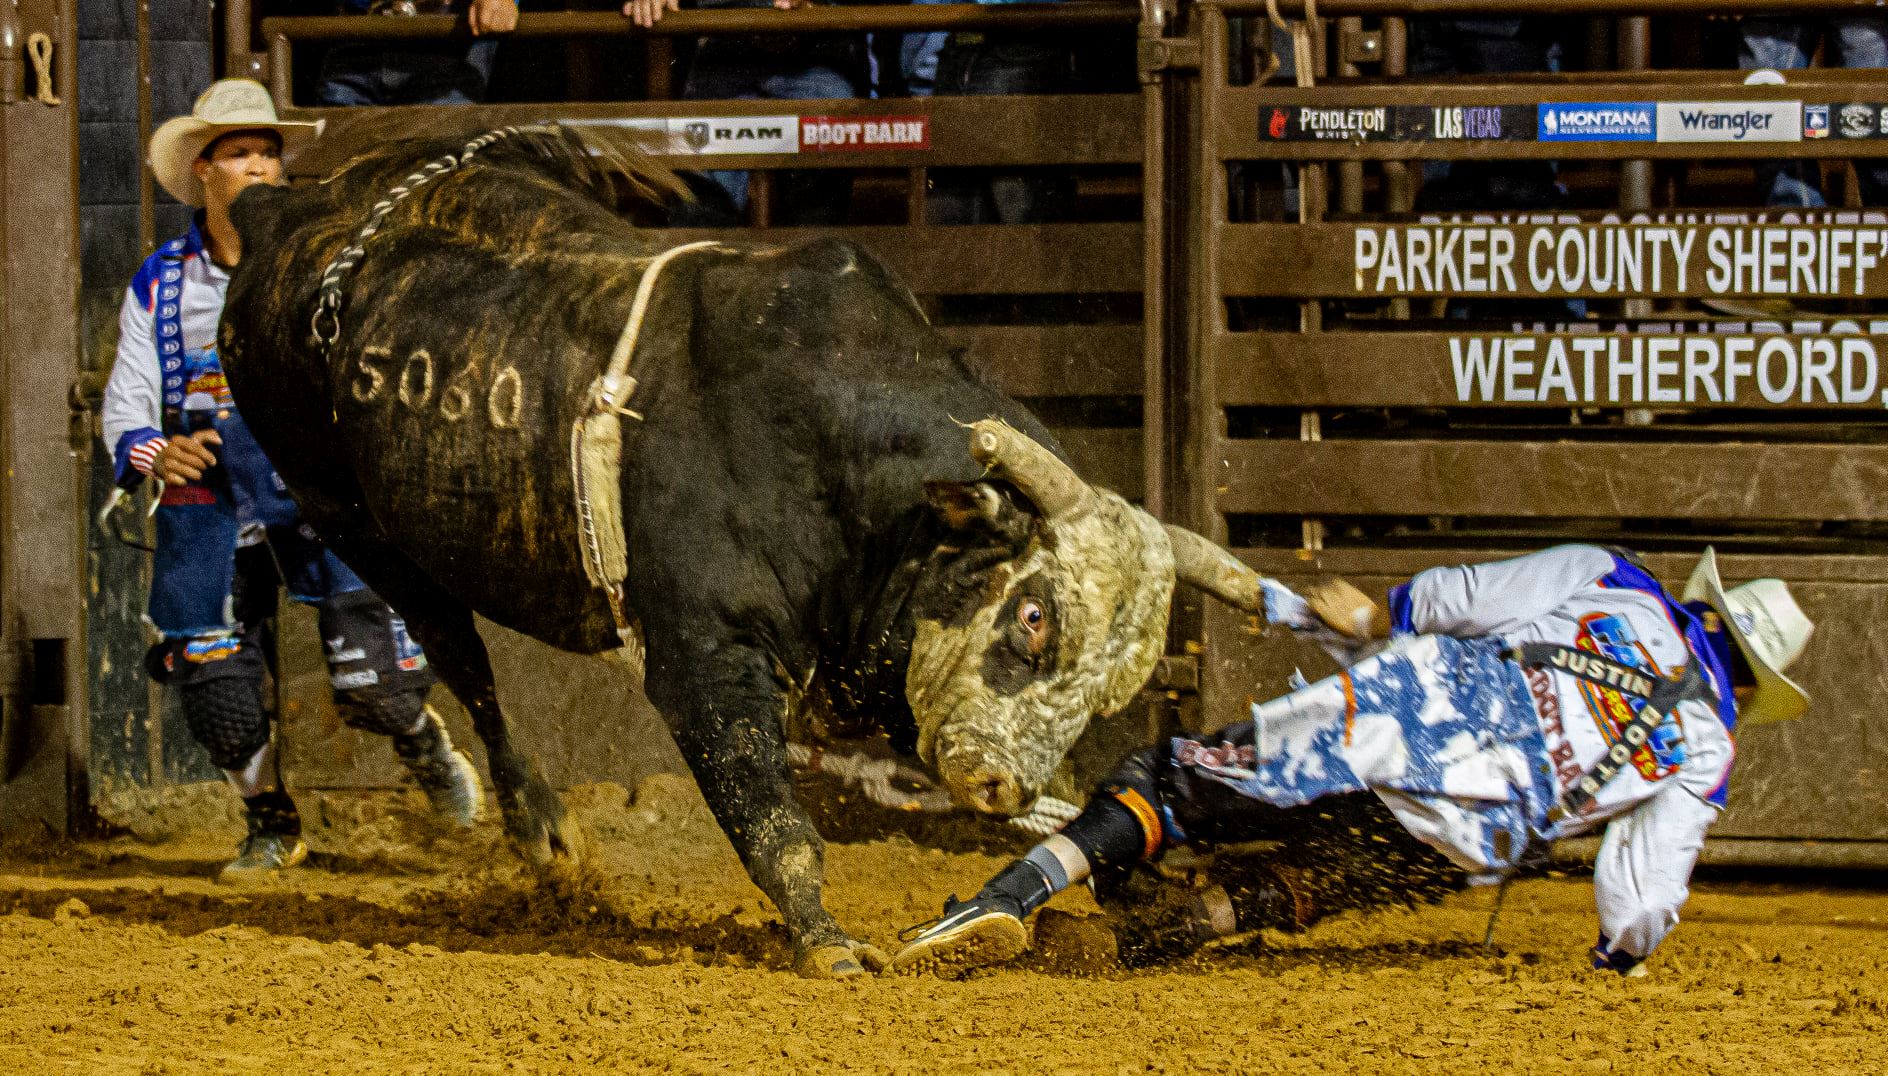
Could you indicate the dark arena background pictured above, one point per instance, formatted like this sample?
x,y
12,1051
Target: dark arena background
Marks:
x,y
1309,283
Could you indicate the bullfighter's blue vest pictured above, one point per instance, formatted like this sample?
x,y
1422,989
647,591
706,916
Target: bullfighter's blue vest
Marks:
x,y
198,524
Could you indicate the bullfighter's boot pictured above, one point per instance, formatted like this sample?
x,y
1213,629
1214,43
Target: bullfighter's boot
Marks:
x,y
986,929
445,773
274,842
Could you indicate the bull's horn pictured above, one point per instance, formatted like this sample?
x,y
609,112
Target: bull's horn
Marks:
x,y
1214,570
1057,491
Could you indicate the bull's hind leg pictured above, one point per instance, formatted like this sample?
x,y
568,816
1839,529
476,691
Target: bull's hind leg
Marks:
x,y
535,816
725,717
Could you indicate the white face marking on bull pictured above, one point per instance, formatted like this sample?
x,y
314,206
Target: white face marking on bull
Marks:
x,y
996,734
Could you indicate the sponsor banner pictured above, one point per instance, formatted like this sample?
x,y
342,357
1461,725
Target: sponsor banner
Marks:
x,y
1398,123
1464,123
1858,120
712,135
1299,123
852,133
1602,121
1622,259
1730,121
1678,122
1815,121
1701,369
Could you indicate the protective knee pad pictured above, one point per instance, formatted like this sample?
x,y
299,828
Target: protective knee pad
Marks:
x,y
389,713
225,716
1121,825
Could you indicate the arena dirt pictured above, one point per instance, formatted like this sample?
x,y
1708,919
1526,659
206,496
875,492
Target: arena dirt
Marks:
x,y
404,949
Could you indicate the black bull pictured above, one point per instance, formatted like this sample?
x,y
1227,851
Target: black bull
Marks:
x,y
798,502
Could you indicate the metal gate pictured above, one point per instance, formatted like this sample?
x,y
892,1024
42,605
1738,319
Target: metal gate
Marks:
x,y
41,604
1052,311
1379,390
1285,373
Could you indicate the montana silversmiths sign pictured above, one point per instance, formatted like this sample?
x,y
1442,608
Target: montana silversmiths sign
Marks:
x,y
1730,121
1603,121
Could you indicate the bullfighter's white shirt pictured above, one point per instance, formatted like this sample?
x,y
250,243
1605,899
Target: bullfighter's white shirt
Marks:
x,y
1656,811
134,395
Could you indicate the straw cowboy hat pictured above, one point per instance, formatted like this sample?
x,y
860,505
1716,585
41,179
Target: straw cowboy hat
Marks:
x,y
1770,629
231,104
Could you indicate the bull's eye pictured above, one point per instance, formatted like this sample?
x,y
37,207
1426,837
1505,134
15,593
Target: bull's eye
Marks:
x,y
1035,624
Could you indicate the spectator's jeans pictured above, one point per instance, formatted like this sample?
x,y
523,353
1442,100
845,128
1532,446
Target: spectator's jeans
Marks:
x,y
993,66
1485,47
1489,47
805,196
354,75
1785,45
917,57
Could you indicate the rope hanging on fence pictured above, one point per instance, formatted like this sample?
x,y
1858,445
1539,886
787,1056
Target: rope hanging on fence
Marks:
x,y
874,777
39,47
1307,40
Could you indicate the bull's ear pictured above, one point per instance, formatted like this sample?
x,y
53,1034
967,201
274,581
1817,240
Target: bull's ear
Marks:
x,y
978,506
261,214
965,506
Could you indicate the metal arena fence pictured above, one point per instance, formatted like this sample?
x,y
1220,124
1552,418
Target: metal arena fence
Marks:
x,y
1252,322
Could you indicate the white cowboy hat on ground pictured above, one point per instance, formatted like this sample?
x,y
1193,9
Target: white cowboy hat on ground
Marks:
x,y
1770,630
231,104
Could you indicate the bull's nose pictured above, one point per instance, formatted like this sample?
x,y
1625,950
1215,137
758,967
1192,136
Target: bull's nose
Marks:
x,y
994,793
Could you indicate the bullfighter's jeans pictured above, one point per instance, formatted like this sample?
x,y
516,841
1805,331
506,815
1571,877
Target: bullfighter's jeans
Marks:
x,y
1786,45
1442,730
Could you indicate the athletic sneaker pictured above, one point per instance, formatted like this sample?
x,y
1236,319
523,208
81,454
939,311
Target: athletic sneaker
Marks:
x,y
445,773
263,854
971,933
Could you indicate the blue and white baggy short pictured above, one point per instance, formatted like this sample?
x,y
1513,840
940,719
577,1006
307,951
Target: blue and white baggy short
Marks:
x,y
1442,729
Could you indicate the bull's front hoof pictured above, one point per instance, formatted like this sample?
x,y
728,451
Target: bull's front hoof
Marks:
x,y
852,960
546,833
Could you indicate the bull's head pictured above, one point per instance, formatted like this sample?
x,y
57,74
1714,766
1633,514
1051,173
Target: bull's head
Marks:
x,y
1050,606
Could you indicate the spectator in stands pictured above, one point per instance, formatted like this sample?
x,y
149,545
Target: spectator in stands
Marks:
x,y
1486,47
977,65
422,73
918,56
1785,44
776,67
